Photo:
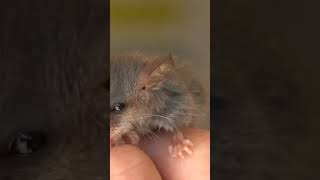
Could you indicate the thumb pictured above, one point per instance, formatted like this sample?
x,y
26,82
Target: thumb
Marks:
x,y
129,162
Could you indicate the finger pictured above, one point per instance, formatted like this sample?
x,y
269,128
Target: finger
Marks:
x,y
195,166
129,162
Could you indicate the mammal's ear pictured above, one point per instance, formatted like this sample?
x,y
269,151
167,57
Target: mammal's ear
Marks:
x,y
155,72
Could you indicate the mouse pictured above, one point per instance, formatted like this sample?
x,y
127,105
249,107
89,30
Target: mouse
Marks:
x,y
149,93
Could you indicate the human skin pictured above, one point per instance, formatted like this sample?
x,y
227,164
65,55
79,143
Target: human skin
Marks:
x,y
151,159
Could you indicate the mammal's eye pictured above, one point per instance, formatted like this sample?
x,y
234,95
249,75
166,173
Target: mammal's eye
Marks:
x,y
118,107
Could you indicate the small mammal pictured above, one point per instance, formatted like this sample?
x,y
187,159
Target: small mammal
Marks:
x,y
149,93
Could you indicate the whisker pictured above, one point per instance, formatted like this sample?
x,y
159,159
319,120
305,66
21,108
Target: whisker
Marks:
x,y
150,132
140,127
175,129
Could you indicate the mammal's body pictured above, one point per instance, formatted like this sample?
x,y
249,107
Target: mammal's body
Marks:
x,y
148,93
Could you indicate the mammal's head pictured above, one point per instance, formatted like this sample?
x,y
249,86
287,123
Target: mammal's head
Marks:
x,y
148,92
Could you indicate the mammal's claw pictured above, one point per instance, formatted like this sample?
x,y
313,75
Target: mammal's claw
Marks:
x,y
180,146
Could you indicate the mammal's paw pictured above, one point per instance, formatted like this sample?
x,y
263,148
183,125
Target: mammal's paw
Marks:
x,y
180,146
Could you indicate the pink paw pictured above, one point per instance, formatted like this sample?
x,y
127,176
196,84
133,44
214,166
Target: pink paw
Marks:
x,y
180,147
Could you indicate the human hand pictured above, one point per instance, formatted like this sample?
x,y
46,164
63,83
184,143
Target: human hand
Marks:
x,y
151,159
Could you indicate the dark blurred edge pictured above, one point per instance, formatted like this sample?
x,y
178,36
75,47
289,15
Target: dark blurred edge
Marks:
x,y
108,87
38,36
296,23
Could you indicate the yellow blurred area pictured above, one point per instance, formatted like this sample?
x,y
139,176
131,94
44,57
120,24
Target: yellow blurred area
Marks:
x,y
144,12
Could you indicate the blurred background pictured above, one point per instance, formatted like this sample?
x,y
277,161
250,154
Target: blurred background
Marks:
x,y
266,67
160,27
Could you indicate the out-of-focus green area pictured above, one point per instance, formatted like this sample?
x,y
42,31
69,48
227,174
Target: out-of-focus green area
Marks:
x,y
146,25
144,12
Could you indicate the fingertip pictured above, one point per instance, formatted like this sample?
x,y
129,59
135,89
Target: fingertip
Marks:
x,y
192,166
129,162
